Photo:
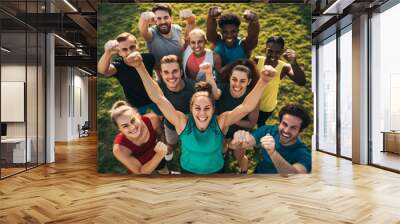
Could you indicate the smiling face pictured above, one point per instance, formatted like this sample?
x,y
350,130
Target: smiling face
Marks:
x,y
171,75
130,124
202,110
127,46
229,34
163,21
197,42
238,83
289,129
274,52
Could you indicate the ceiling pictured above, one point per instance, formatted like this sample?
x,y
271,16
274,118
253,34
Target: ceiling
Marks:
x,y
76,22
73,20
330,15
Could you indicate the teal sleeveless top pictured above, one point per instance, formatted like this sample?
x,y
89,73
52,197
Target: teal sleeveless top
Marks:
x,y
201,151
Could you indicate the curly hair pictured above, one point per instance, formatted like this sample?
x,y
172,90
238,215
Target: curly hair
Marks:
x,y
298,111
276,39
229,19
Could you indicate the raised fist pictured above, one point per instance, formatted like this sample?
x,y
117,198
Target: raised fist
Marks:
x,y
111,47
134,59
241,138
206,68
268,143
186,13
250,16
161,148
268,73
148,17
290,56
215,11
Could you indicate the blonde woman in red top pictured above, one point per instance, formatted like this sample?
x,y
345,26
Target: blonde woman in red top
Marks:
x,y
137,146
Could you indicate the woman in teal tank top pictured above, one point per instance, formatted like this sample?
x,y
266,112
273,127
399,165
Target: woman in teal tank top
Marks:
x,y
201,132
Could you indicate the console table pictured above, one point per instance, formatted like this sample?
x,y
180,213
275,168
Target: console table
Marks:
x,y
391,141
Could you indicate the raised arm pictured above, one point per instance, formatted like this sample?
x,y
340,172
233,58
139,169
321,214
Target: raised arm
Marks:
x,y
253,29
293,70
207,69
250,102
190,21
282,166
104,65
177,118
123,154
251,121
242,140
212,34
146,19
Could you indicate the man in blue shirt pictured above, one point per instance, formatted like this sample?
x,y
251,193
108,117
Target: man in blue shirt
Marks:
x,y
284,152
227,45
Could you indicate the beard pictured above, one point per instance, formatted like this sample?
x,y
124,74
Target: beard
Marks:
x,y
163,30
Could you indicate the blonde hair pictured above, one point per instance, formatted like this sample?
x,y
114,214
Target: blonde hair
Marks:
x,y
125,36
169,59
118,109
198,31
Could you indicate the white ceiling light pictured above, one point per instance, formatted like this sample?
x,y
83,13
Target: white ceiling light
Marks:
x,y
5,50
70,5
65,41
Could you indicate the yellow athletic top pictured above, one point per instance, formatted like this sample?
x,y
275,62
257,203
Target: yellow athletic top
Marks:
x,y
269,98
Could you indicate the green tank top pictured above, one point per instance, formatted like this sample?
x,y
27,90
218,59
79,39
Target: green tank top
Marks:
x,y
201,151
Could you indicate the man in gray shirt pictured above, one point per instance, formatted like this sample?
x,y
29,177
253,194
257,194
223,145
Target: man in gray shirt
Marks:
x,y
164,38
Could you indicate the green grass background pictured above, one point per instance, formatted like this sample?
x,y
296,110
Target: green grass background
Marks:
x,y
291,21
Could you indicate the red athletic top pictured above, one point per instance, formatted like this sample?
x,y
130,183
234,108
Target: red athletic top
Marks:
x,y
192,66
144,152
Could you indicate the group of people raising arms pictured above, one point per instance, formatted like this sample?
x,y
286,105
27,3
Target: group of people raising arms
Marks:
x,y
208,100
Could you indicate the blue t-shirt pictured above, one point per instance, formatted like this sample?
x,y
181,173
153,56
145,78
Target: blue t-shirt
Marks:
x,y
296,153
229,55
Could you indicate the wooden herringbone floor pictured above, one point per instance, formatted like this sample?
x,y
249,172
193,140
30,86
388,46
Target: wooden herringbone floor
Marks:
x,y
71,191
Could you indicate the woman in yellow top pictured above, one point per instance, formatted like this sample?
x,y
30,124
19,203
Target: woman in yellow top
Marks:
x,y
275,46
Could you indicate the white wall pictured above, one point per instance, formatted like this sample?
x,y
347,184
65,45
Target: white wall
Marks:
x,y
16,73
33,127
13,73
71,102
